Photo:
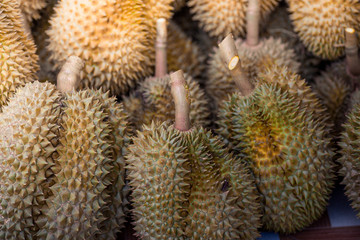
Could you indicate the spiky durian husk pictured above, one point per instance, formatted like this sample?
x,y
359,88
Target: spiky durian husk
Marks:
x,y
287,151
31,8
187,185
350,167
321,24
182,52
87,201
18,59
254,61
114,38
28,140
219,18
153,101
333,88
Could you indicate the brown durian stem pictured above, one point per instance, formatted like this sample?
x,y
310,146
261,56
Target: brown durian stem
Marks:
x,y
351,50
68,77
252,23
230,56
160,47
180,93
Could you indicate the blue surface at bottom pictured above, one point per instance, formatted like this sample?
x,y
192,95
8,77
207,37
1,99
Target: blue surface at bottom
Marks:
x,y
269,236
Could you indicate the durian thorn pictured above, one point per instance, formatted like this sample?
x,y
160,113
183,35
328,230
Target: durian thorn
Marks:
x,y
232,61
26,26
68,77
252,23
180,93
160,48
351,50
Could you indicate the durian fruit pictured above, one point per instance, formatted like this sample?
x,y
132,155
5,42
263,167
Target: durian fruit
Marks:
x,y
284,144
62,166
221,17
321,23
183,53
185,184
255,57
153,100
350,170
17,51
31,8
336,84
115,39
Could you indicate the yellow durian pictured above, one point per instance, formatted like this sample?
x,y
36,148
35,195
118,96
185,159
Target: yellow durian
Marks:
x,y
31,8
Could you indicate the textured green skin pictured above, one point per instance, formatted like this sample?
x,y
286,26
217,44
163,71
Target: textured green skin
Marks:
x,y
350,160
187,186
287,151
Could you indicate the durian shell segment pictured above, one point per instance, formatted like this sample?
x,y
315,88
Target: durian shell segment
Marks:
x,y
186,185
287,151
115,39
153,101
321,24
221,17
31,8
183,53
253,61
28,138
87,201
334,87
350,163
17,51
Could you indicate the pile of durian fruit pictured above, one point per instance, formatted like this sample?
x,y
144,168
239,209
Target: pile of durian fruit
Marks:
x,y
197,119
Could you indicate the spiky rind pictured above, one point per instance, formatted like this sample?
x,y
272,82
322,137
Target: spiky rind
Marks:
x,y
28,140
219,18
287,151
350,164
183,53
17,52
333,88
153,101
31,8
321,24
253,61
186,185
114,38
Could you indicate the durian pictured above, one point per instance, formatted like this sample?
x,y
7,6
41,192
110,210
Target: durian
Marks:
x,y
153,100
221,17
17,51
62,166
186,185
255,57
349,161
31,8
321,23
178,4
286,147
115,39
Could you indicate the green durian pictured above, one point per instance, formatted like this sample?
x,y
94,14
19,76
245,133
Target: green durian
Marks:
x,y
277,129
64,153
288,153
349,143
186,185
18,59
